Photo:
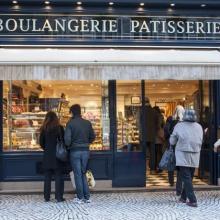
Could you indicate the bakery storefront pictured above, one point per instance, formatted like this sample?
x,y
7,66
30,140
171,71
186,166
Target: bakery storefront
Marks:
x,y
109,59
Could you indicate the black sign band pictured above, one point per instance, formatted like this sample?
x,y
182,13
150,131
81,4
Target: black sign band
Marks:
x,y
102,28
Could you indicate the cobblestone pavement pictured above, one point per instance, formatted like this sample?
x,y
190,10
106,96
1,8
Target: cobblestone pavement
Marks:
x,y
117,206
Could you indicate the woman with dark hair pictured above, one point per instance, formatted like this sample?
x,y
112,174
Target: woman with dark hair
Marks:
x,y
50,132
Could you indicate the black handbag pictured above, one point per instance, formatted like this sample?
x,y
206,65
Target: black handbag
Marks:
x,y
61,151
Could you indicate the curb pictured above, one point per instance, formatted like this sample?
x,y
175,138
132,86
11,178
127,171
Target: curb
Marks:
x,y
114,190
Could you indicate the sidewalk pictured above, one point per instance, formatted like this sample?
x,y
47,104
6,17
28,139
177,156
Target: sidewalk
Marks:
x,y
112,206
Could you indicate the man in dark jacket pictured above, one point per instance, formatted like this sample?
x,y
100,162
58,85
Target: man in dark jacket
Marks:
x,y
79,134
151,126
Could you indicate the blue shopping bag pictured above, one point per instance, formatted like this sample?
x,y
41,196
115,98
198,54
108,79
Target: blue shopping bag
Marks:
x,y
168,160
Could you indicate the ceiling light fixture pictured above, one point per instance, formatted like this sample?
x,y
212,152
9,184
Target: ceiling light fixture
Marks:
x,y
203,5
79,3
15,2
111,3
142,4
46,2
172,4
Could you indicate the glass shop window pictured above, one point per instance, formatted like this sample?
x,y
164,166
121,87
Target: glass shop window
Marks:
x,y
25,104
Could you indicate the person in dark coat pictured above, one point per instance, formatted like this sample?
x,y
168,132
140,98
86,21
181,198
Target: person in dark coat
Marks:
x,y
151,128
168,129
159,140
51,130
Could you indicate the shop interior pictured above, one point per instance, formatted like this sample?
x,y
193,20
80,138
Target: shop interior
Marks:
x,y
25,104
189,94
166,95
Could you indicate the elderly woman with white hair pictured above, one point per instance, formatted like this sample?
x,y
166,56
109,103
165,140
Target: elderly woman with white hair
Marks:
x,y
187,136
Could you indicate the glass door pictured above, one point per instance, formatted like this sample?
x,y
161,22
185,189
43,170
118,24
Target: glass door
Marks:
x,y
205,120
214,130
129,155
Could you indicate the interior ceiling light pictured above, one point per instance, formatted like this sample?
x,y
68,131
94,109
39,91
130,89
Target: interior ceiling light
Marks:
x,y
142,4
111,3
46,2
15,2
172,4
79,3
203,5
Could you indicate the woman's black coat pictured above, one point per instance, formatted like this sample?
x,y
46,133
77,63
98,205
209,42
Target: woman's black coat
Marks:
x,y
48,141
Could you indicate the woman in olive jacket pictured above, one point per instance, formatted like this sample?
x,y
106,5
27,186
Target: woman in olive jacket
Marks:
x,y
51,130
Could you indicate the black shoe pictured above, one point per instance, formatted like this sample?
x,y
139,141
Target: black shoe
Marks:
x,y
159,171
192,204
178,193
46,200
182,200
61,200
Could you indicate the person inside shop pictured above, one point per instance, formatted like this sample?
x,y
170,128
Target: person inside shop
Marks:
x,y
205,121
168,129
163,112
50,131
79,134
159,141
62,102
151,122
188,138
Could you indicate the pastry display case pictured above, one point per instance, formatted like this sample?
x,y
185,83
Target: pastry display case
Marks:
x,y
25,129
93,114
127,134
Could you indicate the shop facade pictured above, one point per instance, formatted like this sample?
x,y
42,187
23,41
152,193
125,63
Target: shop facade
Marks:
x,y
110,59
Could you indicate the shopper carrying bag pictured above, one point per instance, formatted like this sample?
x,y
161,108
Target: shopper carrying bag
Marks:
x,y
168,129
50,132
79,134
188,137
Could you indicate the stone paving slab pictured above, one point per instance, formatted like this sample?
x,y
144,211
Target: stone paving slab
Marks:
x,y
111,206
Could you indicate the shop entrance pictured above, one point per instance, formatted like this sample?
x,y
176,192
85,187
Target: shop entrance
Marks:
x,y
139,145
166,99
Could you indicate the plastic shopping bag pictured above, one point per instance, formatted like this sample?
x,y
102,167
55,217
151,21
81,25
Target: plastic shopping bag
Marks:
x,y
90,179
72,179
168,161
